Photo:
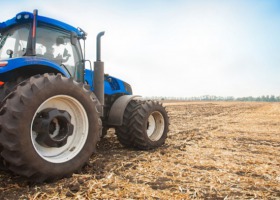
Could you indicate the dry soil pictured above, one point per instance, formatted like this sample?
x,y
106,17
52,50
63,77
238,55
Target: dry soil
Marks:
x,y
214,150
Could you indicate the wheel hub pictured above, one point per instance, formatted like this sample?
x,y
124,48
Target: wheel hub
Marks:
x,y
155,126
53,127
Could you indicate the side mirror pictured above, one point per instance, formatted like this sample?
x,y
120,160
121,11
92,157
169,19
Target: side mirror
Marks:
x,y
10,53
74,38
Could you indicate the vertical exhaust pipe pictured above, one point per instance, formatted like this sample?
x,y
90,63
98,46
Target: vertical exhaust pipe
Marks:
x,y
99,73
34,30
31,46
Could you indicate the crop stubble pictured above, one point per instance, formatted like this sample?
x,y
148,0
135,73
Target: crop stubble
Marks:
x,y
215,150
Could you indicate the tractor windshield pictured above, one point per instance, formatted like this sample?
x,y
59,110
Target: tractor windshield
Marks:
x,y
13,42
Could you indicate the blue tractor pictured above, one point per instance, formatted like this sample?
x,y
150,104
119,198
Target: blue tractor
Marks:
x,y
53,110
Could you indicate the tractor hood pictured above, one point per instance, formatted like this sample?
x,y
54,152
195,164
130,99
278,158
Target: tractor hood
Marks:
x,y
112,85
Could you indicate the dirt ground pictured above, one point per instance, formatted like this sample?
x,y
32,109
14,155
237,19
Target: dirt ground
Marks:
x,y
214,150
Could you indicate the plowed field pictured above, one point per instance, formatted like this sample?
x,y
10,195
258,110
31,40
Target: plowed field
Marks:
x,y
215,150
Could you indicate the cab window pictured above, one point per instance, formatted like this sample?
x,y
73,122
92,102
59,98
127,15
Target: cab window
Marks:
x,y
55,45
14,41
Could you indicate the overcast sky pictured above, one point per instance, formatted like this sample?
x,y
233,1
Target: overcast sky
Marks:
x,y
177,47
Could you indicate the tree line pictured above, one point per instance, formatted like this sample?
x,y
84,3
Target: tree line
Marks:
x,y
263,98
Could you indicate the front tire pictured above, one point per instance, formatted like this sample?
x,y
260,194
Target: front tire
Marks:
x,y
145,125
49,127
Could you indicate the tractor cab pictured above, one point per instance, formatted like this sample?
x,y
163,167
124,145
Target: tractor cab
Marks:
x,y
31,44
41,41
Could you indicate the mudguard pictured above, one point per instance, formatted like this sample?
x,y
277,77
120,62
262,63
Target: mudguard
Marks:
x,y
117,110
20,63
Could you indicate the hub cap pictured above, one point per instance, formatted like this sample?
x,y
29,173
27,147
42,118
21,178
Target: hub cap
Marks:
x,y
53,127
155,126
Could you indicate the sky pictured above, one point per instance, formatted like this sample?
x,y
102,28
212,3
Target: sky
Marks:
x,y
178,48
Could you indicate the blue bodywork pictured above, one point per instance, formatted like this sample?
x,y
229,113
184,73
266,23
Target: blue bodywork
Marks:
x,y
35,63
29,61
62,25
112,85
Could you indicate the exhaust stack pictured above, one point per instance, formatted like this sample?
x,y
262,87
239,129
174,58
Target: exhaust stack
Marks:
x,y
31,46
99,73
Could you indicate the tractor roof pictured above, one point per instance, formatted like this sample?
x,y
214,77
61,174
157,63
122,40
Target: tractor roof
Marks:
x,y
23,17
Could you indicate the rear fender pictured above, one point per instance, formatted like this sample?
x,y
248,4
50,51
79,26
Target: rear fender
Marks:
x,y
117,110
29,66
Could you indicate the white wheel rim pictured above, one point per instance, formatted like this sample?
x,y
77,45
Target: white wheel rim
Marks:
x,y
76,141
155,126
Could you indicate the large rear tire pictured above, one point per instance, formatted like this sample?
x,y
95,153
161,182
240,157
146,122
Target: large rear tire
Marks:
x,y
2,162
145,125
8,87
5,90
49,127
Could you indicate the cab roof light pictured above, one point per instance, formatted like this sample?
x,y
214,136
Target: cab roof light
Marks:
x,y
3,63
19,17
23,16
26,16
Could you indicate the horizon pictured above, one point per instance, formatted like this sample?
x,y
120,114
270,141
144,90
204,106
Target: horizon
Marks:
x,y
213,97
